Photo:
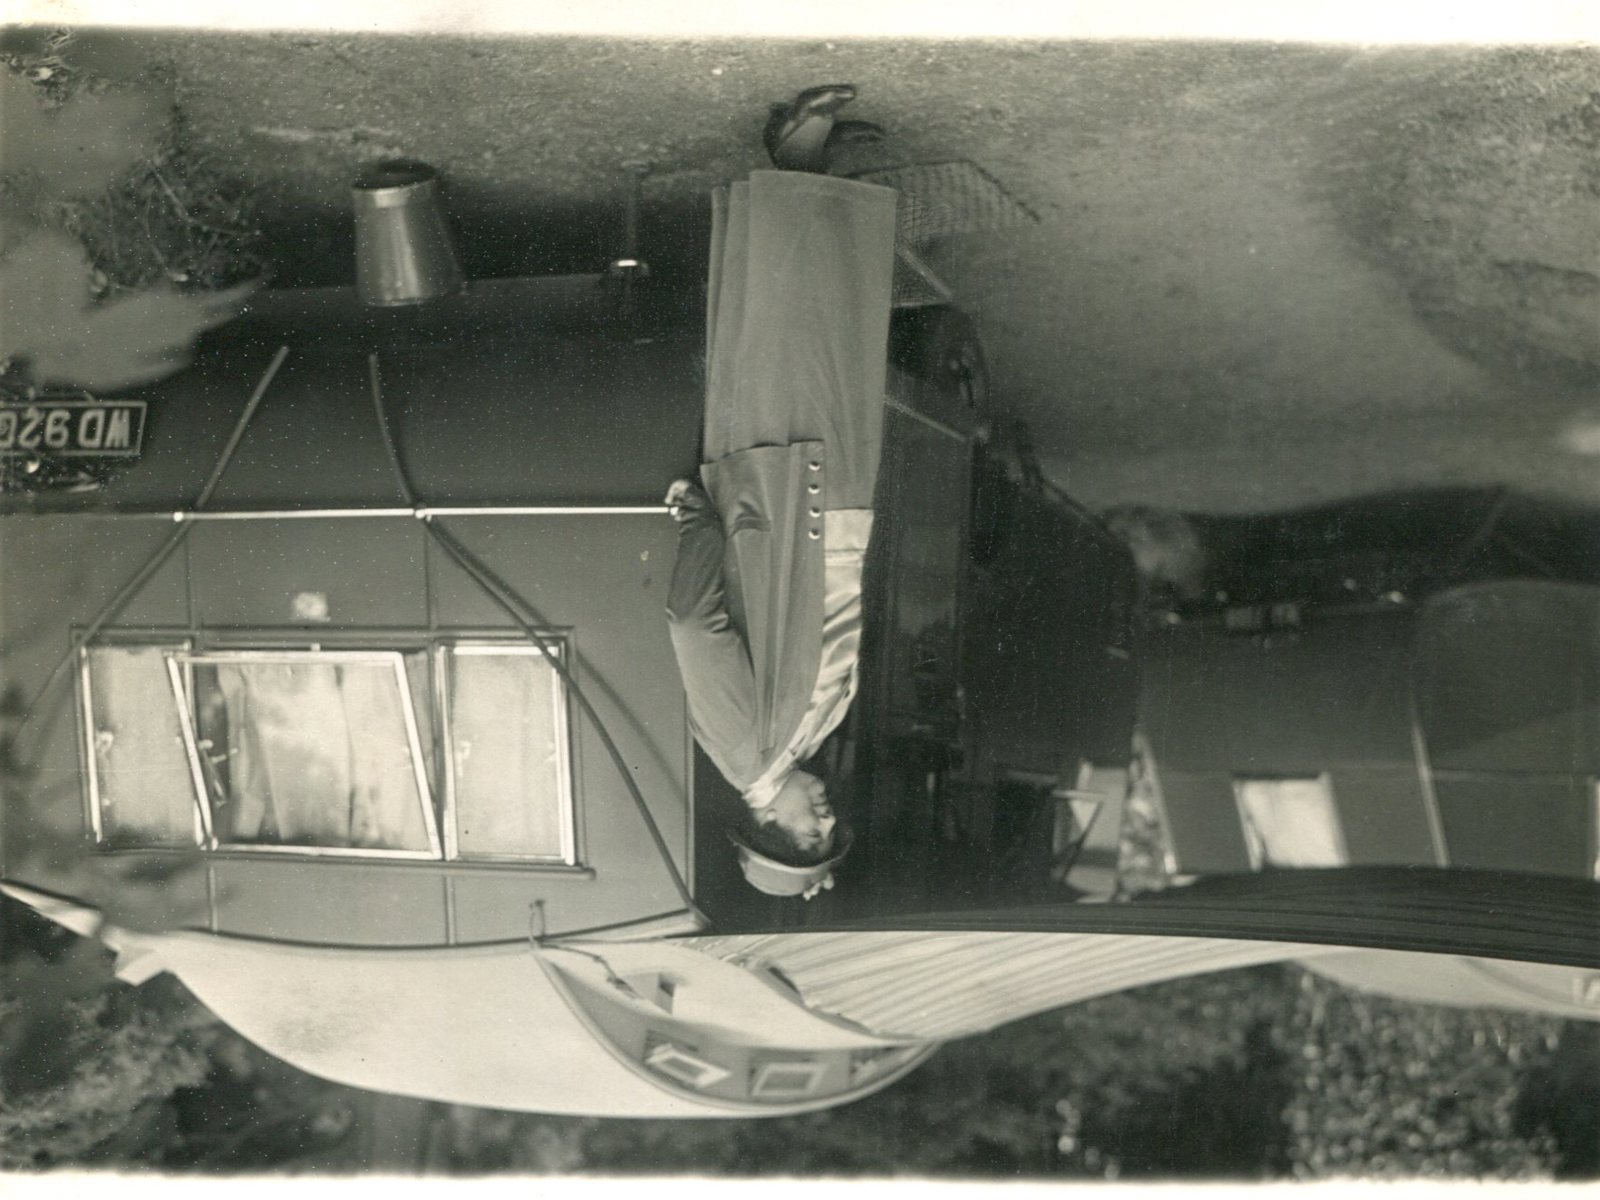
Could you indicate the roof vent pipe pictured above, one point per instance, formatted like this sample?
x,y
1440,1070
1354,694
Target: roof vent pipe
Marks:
x,y
404,250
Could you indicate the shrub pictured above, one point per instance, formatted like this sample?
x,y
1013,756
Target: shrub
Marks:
x,y
1391,1089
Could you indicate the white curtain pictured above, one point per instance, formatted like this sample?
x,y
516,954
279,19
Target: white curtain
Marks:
x,y
318,756
507,755
146,791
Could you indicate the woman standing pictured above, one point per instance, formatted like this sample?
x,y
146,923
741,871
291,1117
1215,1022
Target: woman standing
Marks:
x,y
765,603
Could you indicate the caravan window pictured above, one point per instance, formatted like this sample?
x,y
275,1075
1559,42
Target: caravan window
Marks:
x,y
458,751
1291,822
508,791
308,750
138,773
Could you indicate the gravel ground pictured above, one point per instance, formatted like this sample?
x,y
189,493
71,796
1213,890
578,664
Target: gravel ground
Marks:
x,y
1263,276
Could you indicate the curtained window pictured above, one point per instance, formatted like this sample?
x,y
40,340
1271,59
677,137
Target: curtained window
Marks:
x,y
508,763
331,751
316,750
1291,822
140,788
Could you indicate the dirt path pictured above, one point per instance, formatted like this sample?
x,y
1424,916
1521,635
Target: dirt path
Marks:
x,y
1262,276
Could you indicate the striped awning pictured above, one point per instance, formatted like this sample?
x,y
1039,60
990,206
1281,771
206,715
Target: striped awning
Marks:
x,y
943,985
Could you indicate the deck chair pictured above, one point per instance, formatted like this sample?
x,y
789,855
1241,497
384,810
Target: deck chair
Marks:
x,y
1088,830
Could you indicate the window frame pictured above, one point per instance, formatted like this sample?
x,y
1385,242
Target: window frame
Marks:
x,y
445,707
180,669
1255,843
88,742
682,1063
427,728
781,1079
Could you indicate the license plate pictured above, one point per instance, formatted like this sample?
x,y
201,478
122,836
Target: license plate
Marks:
x,y
73,428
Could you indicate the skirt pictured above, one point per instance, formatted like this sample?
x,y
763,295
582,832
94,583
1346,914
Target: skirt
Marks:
x,y
797,322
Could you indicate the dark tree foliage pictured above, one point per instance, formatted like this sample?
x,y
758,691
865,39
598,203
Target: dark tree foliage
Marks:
x,y
1389,1089
96,1073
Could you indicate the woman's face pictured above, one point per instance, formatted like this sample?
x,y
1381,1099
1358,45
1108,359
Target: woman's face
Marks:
x,y
801,810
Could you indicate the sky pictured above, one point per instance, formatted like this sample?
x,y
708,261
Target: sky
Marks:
x,y
1336,21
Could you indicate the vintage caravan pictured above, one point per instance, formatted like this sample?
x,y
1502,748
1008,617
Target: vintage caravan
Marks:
x,y
368,639
376,619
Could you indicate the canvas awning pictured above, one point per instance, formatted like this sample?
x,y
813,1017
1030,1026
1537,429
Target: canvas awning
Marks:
x,y
498,1026
1459,982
